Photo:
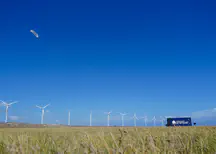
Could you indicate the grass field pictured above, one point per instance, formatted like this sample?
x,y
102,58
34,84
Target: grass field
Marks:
x,y
185,140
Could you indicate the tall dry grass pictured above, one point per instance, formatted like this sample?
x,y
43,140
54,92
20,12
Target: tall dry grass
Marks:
x,y
185,140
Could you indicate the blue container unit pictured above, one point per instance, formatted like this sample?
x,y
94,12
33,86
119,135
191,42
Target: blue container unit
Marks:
x,y
179,121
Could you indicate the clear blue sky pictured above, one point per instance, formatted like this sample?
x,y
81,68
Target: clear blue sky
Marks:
x,y
149,57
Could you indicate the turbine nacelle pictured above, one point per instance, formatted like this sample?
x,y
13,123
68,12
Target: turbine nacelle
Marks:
x,y
42,107
122,114
108,113
8,104
134,117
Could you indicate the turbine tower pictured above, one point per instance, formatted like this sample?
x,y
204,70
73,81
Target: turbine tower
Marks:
x,y
135,118
90,119
145,120
154,121
122,118
7,105
42,114
108,117
162,120
68,118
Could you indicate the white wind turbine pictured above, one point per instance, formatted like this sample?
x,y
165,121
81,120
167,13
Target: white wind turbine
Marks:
x,y
135,118
162,120
68,118
145,120
7,105
90,119
154,121
42,114
122,118
108,117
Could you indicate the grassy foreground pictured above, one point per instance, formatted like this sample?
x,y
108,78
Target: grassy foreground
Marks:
x,y
111,140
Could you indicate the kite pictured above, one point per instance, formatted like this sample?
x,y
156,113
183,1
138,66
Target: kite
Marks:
x,y
35,34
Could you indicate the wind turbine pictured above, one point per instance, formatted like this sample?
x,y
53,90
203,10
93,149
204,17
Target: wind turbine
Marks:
x,y
90,119
68,118
42,114
7,105
122,118
154,120
162,120
145,120
135,118
108,117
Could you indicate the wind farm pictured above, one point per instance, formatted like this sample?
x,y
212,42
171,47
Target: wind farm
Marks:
x,y
111,117
82,137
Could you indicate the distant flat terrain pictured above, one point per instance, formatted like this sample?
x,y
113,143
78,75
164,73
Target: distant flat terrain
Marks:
x,y
26,125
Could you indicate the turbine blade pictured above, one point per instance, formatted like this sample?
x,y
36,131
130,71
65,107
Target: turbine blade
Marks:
x,y
46,106
38,107
3,102
123,114
13,103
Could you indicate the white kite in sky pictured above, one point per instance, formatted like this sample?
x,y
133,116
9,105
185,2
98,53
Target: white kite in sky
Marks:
x,y
35,34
